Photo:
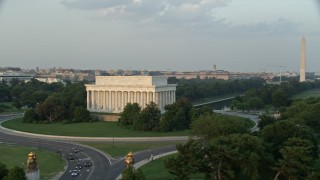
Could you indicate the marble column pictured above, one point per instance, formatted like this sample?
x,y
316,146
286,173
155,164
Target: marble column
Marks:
x,y
141,99
126,98
116,100
129,97
103,100
109,100
93,100
157,99
99,99
88,100
122,100
161,100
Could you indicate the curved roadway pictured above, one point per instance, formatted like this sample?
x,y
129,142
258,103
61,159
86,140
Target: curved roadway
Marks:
x,y
101,168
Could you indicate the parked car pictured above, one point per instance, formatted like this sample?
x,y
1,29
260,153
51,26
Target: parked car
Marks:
x,y
87,163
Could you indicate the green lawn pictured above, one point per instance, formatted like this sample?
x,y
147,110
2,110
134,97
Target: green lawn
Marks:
x,y
87,129
307,94
12,155
120,149
155,170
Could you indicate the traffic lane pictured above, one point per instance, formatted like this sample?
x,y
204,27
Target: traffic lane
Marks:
x,y
99,162
99,166
116,169
50,146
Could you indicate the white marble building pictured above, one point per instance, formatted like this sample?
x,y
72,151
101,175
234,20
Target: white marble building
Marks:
x,y
112,93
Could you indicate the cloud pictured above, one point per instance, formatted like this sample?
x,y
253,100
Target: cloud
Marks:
x,y
1,2
318,3
197,15
177,10
278,27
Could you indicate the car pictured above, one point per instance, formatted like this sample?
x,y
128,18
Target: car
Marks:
x,y
70,156
87,163
74,173
75,150
79,166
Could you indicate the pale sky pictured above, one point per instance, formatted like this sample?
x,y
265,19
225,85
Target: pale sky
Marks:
x,y
183,35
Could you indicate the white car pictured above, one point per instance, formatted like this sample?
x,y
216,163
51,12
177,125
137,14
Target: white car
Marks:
x,y
74,173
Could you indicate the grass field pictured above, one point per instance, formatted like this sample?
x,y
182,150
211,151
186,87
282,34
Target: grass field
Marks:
x,y
17,156
86,129
156,170
120,149
307,94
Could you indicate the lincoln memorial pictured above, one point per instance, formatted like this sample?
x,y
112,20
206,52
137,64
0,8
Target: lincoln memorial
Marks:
x,y
112,93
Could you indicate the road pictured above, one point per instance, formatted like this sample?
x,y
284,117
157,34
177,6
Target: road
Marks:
x,y
99,161
118,166
215,101
252,117
103,167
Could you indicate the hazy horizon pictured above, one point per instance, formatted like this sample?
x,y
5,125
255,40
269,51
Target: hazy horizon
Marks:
x,y
182,35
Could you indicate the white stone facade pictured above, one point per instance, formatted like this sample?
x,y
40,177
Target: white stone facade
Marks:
x,y
112,93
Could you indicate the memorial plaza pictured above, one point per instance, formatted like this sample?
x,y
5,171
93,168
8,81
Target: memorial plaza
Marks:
x,y
111,94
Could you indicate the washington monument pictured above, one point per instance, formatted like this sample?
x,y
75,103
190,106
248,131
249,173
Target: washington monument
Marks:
x,y
303,60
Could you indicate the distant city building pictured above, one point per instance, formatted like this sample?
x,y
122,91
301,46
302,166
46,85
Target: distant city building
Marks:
x,y
112,93
8,76
201,75
50,80
214,67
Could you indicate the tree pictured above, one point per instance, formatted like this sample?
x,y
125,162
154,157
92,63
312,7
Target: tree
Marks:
x,y
211,126
279,99
81,114
255,103
177,116
188,160
280,131
149,118
227,154
221,158
130,113
4,92
3,170
265,120
30,116
131,174
51,109
16,173
297,159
